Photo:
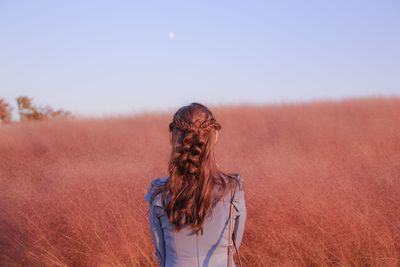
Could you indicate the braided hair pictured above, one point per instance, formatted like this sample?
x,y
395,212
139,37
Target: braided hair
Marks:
x,y
193,173
192,146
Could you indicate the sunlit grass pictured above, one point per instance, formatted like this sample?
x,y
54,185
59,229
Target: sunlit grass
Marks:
x,y
322,183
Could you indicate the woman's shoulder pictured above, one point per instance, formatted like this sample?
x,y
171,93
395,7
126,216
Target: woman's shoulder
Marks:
x,y
238,178
239,198
159,181
153,185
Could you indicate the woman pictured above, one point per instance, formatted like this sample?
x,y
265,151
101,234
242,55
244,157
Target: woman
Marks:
x,y
189,208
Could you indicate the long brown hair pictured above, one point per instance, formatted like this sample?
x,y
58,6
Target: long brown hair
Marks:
x,y
188,194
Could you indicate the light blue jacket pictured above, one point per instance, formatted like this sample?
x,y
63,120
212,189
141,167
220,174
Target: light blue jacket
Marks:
x,y
184,249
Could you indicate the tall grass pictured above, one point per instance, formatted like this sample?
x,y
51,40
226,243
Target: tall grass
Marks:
x,y
322,183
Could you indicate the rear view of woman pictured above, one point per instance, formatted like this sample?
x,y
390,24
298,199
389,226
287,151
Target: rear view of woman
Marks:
x,y
189,208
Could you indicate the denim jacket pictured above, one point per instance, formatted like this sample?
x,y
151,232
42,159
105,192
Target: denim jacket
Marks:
x,y
185,248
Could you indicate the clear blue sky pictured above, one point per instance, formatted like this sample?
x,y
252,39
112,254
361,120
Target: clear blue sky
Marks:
x,y
118,57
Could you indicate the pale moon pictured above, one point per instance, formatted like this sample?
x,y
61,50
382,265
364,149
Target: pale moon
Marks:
x,y
171,35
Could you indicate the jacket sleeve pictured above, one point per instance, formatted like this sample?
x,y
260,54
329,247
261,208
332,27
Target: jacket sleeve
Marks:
x,y
157,235
240,220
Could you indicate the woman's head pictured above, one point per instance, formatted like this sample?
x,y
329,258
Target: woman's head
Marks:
x,y
193,135
193,172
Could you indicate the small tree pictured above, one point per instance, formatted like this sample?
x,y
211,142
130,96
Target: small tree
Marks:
x,y
27,111
5,111
25,108
49,112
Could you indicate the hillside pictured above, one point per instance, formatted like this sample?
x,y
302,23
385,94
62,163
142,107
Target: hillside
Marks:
x,y
322,183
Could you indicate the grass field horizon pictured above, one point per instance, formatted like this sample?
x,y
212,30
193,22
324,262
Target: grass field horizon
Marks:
x,y
322,185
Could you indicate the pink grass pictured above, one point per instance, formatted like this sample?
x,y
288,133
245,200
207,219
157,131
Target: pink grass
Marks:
x,y
322,183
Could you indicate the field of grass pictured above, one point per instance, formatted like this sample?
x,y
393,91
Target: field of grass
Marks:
x,y
322,185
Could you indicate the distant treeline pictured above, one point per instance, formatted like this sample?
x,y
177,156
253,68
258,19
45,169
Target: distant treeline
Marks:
x,y
28,111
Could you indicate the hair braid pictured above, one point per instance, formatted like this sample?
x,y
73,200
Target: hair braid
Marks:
x,y
191,146
189,149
